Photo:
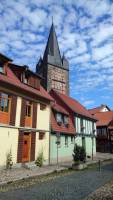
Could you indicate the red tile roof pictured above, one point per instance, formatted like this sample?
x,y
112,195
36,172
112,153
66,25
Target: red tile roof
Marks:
x,y
62,129
55,106
94,110
97,109
74,105
104,118
11,79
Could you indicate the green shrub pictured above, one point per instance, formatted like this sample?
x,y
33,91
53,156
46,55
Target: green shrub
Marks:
x,y
79,154
9,162
40,159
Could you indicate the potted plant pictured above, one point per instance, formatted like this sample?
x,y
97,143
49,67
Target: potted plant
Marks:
x,y
79,157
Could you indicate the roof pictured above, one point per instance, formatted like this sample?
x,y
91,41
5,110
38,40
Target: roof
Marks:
x,y
98,109
74,105
5,58
62,129
52,52
94,110
55,106
11,79
104,118
23,68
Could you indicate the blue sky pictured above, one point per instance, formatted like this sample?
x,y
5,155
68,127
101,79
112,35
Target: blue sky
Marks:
x,y
85,34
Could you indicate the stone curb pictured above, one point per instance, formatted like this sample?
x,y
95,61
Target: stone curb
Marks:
x,y
32,176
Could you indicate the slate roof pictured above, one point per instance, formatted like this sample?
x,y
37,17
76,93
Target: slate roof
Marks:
x,y
52,52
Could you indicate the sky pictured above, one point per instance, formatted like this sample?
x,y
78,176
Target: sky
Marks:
x,y
85,34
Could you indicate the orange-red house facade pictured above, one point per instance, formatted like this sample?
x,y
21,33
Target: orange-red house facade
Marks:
x,y
24,114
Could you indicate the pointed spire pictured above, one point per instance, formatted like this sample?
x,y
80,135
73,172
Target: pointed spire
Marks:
x,y
52,52
65,62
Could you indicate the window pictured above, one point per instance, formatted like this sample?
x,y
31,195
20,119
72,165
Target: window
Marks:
x,y
41,135
59,118
1,69
25,80
66,141
81,125
72,139
42,106
28,109
4,102
99,132
66,120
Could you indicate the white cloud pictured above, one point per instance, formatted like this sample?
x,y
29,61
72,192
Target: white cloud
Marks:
x,y
86,41
88,102
104,51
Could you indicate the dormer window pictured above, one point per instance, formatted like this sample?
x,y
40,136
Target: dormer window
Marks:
x,y
66,120
26,79
59,118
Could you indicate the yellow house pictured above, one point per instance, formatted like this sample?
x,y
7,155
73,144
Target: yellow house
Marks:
x,y
24,114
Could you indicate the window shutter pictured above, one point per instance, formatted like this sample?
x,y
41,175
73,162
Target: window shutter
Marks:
x,y
34,118
23,113
20,146
33,141
13,110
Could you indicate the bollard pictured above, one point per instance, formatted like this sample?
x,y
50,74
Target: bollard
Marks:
x,y
99,164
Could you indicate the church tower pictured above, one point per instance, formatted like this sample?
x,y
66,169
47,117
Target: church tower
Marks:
x,y
52,67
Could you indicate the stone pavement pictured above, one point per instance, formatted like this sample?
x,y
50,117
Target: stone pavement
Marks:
x,y
20,173
74,186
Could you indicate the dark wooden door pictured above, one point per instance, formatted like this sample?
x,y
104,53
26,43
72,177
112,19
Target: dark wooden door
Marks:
x,y
26,147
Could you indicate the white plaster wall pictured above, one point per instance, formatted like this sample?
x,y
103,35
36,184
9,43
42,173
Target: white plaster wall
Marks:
x,y
42,146
18,111
8,140
43,118
104,109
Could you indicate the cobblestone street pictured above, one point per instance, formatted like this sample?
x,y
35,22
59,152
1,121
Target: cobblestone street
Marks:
x,y
74,186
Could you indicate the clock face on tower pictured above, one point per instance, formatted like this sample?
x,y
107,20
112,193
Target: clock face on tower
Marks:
x,y
58,80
